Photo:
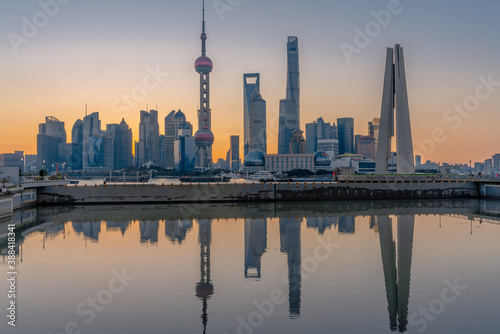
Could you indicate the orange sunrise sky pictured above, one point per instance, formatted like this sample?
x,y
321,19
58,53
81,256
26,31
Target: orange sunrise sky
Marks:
x,y
94,52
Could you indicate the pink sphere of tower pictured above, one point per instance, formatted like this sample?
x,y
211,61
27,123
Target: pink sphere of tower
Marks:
x,y
204,138
203,65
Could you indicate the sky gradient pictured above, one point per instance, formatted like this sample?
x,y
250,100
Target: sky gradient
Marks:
x,y
94,52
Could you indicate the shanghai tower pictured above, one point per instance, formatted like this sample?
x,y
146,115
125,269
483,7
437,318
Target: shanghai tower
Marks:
x,y
204,137
289,118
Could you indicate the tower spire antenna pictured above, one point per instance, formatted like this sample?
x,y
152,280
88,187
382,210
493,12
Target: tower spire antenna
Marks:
x,y
204,137
203,33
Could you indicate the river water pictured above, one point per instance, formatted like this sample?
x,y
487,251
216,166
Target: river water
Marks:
x,y
343,267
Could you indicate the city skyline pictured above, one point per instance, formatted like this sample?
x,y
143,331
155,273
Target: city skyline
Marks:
x,y
99,65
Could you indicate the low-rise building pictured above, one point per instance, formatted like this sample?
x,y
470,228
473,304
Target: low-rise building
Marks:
x,y
279,163
15,159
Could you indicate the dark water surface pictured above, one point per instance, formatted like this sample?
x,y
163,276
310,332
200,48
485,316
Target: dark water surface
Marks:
x,y
343,267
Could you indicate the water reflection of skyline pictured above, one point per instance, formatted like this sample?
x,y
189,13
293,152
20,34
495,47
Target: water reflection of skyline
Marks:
x,y
177,229
121,226
290,243
395,250
255,246
89,230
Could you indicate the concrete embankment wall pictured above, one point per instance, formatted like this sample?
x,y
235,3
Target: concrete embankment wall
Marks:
x,y
6,207
490,191
16,199
232,192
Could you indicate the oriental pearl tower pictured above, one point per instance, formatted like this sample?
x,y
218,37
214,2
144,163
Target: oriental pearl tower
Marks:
x,y
204,137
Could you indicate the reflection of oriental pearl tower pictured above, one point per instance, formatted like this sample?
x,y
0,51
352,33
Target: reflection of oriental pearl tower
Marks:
x,y
204,137
205,288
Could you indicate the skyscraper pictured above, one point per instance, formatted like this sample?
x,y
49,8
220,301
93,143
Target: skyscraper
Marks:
x,y
329,146
496,162
184,148
488,166
204,137
149,138
312,137
334,132
173,121
289,117
418,161
356,142
122,144
50,135
92,146
77,132
108,149
297,143
254,114
346,135
367,147
319,130
235,153
395,105
323,129
373,128
168,146
70,156
136,156
163,150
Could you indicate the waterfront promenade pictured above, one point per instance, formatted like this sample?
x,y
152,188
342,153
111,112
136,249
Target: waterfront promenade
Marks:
x,y
346,188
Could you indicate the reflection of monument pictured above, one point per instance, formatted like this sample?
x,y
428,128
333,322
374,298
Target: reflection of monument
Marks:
x,y
290,243
374,224
90,230
205,288
176,230
149,231
397,278
255,245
